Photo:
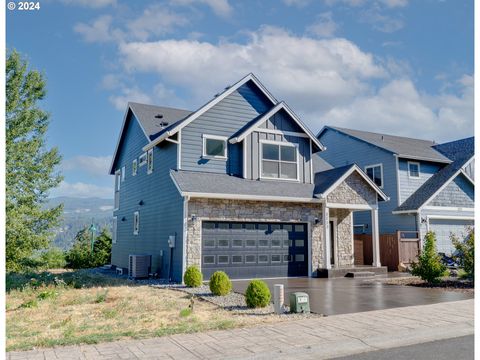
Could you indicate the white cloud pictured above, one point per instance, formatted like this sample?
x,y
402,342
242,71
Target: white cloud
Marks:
x,y
297,3
100,30
92,165
82,190
221,8
325,26
380,21
106,207
156,20
399,108
310,72
127,94
394,3
90,3
357,3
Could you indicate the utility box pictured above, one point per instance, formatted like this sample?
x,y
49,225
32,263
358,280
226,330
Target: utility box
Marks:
x,y
299,302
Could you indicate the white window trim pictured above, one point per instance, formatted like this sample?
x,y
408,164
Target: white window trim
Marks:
x,y
118,174
123,173
408,169
284,143
149,168
142,160
381,173
205,137
114,230
136,214
134,167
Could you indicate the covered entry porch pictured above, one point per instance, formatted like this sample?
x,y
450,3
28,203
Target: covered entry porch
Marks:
x,y
340,246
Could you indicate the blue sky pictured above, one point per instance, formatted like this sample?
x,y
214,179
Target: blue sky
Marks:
x,y
396,66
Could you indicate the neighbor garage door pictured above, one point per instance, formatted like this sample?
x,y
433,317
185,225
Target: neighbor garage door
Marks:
x,y
252,250
443,228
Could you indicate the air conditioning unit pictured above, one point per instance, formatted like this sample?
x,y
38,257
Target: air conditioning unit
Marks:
x,y
139,266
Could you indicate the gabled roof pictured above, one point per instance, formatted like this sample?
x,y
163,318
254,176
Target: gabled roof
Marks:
x,y
457,149
402,146
149,123
255,123
223,186
173,130
434,185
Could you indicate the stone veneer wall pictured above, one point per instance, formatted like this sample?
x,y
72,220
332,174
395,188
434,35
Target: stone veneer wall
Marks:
x,y
239,210
345,256
354,190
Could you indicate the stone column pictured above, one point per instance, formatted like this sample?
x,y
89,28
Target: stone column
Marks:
x,y
326,236
375,239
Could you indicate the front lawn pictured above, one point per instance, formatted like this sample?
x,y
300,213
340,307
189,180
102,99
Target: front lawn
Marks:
x,y
48,309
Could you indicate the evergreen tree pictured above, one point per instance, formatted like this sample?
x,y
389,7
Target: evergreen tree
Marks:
x,y
81,256
429,266
31,168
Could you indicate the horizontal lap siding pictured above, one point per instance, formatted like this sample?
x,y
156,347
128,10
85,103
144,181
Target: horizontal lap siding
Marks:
x,y
161,214
223,119
409,185
343,150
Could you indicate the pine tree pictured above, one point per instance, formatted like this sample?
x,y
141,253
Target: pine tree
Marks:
x,y
31,168
429,266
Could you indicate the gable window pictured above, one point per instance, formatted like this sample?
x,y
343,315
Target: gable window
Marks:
x,y
136,222
142,159
279,161
134,167
375,172
150,161
413,169
214,147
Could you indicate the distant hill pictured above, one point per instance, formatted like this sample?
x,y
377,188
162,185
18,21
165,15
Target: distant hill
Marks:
x,y
78,213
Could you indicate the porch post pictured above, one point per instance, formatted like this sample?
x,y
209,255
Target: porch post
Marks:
x,y
375,238
326,236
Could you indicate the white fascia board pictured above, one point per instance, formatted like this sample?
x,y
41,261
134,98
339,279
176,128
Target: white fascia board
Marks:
x,y
274,110
250,197
413,157
121,134
363,175
449,208
451,217
400,212
351,206
210,104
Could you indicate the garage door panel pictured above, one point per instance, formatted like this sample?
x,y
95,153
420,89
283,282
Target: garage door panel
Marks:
x,y
246,250
444,228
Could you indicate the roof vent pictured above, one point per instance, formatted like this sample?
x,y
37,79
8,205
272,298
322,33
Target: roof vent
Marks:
x,y
163,123
382,137
159,116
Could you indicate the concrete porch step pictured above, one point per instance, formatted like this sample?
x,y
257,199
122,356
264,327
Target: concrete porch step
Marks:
x,y
360,274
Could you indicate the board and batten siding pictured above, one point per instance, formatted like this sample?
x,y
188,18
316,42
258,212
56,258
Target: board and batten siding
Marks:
x,y
343,150
223,119
160,215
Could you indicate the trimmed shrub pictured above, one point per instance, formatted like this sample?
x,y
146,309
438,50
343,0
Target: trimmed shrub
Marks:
x,y
192,277
466,253
220,283
257,294
429,267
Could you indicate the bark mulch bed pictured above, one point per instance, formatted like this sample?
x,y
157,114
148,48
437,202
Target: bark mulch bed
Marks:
x,y
449,284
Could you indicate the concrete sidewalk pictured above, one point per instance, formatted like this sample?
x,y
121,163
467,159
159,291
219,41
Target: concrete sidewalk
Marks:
x,y
319,338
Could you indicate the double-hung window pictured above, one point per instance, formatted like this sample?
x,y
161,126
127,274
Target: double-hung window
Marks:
x,y
375,172
214,147
118,177
279,161
413,169
136,222
142,159
114,230
134,167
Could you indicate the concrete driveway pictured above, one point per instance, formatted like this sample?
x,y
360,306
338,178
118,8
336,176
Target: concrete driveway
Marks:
x,y
347,295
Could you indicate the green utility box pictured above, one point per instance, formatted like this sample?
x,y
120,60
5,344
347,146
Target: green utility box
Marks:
x,y
299,302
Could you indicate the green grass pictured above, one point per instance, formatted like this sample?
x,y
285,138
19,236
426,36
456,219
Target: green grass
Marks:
x,y
185,312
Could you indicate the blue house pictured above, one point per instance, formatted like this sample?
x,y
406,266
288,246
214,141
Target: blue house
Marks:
x,y
234,186
430,186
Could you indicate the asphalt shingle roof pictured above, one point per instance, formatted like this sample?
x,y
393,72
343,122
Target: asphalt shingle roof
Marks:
x,y
457,149
403,146
325,179
146,114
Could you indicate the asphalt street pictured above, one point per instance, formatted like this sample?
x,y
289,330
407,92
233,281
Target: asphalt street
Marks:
x,y
455,348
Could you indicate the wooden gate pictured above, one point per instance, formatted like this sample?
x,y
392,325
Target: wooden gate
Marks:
x,y
404,246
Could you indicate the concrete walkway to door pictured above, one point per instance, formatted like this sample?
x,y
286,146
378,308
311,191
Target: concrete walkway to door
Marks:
x,y
348,295
317,338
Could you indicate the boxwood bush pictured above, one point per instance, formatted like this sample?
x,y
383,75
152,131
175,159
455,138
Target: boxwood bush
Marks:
x,y
257,294
193,277
220,283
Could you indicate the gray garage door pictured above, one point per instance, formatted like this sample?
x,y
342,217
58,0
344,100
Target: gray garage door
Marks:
x,y
443,228
253,250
